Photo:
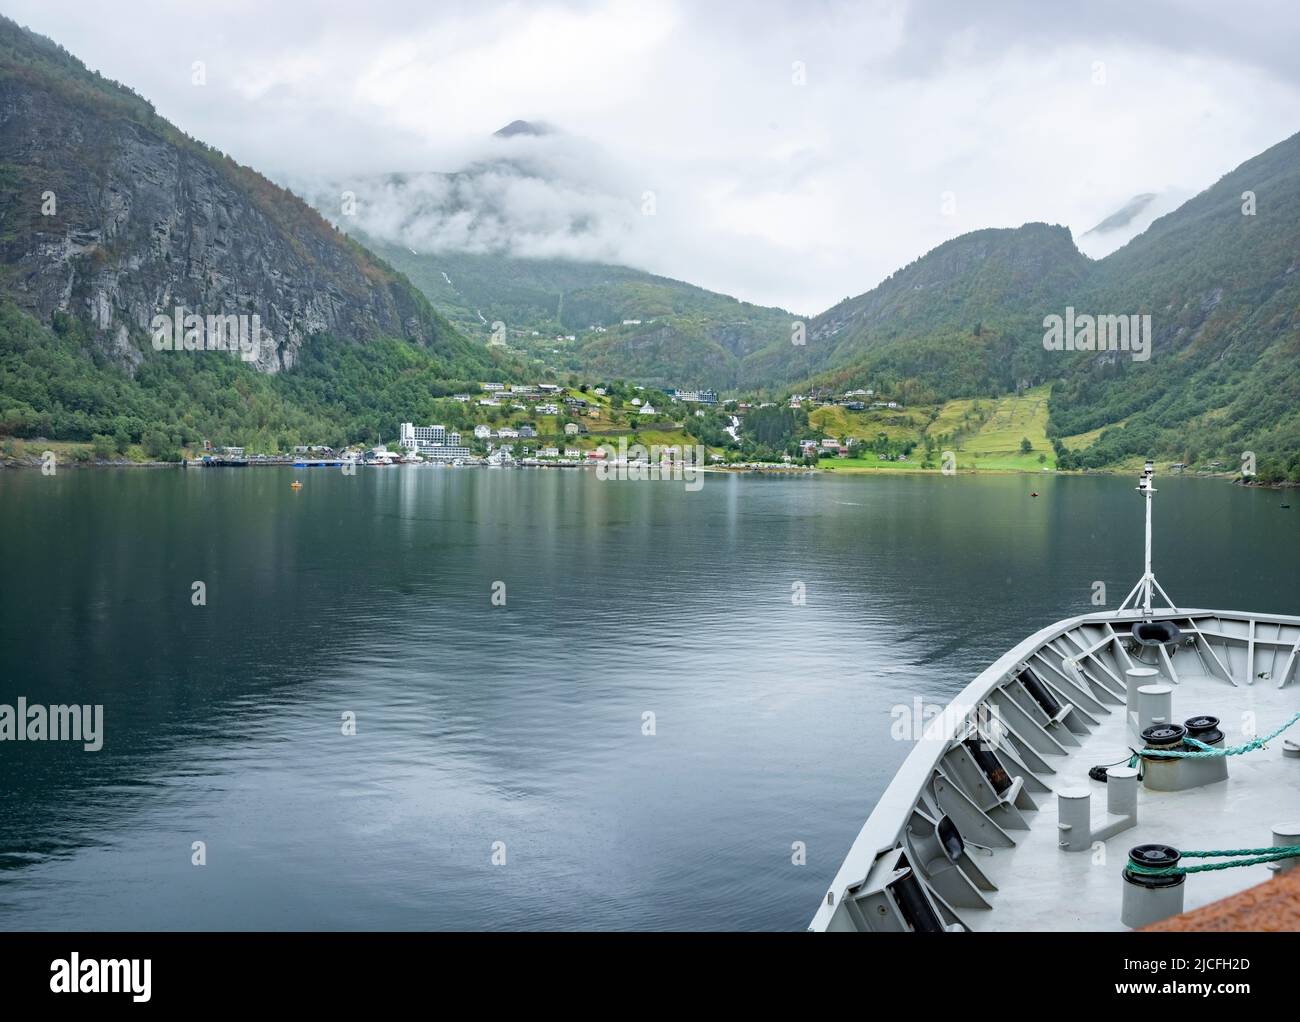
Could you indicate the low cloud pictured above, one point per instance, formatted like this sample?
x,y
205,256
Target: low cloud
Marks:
x,y
520,197
798,152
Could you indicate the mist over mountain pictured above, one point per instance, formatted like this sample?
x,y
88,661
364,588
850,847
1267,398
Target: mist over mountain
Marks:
x,y
527,192
529,236
523,128
1131,219
1124,216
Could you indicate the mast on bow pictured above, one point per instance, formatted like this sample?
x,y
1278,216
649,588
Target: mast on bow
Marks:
x,y
1147,584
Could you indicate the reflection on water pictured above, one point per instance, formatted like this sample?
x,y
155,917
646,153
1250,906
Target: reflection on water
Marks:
x,y
521,724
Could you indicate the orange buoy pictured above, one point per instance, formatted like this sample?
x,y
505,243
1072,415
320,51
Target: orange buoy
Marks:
x,y
295,485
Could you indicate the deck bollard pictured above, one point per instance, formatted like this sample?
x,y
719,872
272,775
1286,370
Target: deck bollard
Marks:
x,y
1122,791
1074,819
1155,705
1136,677
1285,835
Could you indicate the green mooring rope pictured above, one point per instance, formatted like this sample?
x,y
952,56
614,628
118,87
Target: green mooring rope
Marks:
x,y
1257,855
1205,752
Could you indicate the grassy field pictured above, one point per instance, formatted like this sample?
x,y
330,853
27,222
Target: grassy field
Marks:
x,y
996,445
952,417
993,446
901,424
1082,441
871,463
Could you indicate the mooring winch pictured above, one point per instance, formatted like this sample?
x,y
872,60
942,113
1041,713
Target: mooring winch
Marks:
x,y
1187,755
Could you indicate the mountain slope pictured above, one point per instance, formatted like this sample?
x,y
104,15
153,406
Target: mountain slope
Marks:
x,y
1223,291
525,235
624,322
963,320
1222,287
111,214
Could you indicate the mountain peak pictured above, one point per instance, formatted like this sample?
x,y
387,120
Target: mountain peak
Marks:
x,y
522,128
1124,216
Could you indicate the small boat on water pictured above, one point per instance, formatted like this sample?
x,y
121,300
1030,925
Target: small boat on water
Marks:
x,y
1078,780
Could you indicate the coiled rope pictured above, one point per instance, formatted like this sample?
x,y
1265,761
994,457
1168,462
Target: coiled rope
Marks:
x,y
1257,856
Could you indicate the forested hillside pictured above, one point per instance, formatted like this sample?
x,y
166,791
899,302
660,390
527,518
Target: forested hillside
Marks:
x,y
110,215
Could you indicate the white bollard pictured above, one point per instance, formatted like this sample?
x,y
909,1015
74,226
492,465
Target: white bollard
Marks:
x,y
1074,818
1285,835
1122,791
1155,706
1136,677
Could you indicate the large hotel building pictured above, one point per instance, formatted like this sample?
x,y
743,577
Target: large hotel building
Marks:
x,y
433,442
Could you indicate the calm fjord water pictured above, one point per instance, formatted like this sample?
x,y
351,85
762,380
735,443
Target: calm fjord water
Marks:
x,y
522,724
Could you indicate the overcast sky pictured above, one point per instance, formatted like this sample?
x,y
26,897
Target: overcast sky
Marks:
x,y
797,152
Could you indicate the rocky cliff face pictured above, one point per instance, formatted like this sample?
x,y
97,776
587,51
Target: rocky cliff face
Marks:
x,y
109,213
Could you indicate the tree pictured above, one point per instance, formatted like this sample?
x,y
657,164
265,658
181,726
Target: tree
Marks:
x,y
121,439
1025,445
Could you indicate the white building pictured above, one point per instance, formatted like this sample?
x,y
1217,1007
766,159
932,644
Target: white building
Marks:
x,y
570,429
647,409
703,397
572,452
506,432
433,442
482,432
492,387
410,436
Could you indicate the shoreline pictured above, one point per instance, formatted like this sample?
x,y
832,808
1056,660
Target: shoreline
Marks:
x,y
28,462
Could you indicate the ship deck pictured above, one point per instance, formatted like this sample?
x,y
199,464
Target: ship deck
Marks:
x,y
1010,870
1041,887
